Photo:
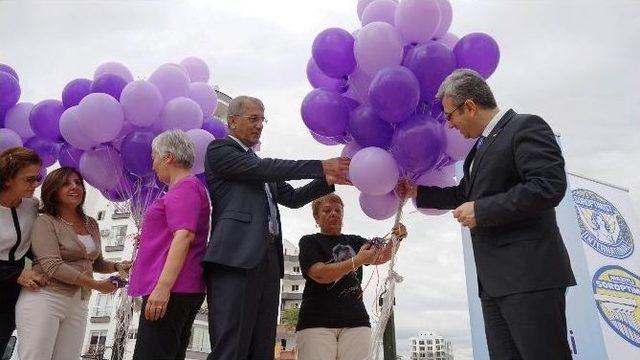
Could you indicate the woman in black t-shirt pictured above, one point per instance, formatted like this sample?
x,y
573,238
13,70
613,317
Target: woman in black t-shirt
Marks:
x,y
333,322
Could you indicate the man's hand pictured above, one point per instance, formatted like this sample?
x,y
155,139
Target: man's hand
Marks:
x,y
465,214
336,170
406,189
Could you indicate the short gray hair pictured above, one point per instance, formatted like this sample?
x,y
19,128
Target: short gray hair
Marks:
x,y
176,143
238,103
466,84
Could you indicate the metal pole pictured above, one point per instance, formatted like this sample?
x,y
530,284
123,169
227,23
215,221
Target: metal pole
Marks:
x,y
389,339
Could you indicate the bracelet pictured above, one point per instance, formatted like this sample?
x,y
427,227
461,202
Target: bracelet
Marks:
x,y
353,265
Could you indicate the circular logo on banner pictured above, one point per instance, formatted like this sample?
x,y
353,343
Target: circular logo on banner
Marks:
x,y
601,225
617,294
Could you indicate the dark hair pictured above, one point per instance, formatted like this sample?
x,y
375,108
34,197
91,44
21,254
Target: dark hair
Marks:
x,y
317,203
52,183
13,160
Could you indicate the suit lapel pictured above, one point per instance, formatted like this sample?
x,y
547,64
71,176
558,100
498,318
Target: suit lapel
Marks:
x,y
479,154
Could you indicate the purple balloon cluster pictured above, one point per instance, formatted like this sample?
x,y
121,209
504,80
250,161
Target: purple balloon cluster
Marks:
x,y
374,91
104,126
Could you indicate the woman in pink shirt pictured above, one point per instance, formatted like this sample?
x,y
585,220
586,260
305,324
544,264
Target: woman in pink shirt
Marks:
x,y
167,272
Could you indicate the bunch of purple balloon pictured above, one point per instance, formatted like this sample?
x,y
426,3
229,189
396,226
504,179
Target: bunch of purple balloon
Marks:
x,y
374,90
104,126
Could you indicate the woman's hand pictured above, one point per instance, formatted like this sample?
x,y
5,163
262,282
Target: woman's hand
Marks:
x,y
157,303
32,280
104,286
399,231
366,255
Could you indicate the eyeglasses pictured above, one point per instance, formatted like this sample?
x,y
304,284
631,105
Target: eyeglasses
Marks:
x,y
255,120
438,105
33,179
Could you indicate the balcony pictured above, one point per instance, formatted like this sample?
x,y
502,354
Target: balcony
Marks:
x,y
100,316
291,296
295,277
292,258
120,215
94,352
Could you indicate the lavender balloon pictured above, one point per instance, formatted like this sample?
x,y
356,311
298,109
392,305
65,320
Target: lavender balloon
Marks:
x,y
172,81
100,117
325,113
394,93
69,156
362,5
417,20
9,139
181,113
101,167
215,127
75,91
196,68
360,81
368,129
201,139
373,171
318,79
72,132
418,143
9,70
449,40
379,207
109,84
45,119
333,52
479,52
9,91
136,152
380,10
141,102
457,146
205,96
114,68
446,16
17,119
378,46
350,149
431,63
45,148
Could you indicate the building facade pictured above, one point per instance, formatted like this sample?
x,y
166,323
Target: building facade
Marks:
x,y
430,346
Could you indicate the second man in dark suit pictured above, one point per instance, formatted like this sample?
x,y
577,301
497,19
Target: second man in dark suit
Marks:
x,y
244,260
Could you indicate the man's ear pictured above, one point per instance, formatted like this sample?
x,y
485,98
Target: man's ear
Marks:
x,y
231,122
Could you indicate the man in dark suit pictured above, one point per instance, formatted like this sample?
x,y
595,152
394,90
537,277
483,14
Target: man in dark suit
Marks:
x,y
514,178
244,259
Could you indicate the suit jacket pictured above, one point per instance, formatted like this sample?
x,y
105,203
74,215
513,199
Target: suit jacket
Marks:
x,y
239,218
517,179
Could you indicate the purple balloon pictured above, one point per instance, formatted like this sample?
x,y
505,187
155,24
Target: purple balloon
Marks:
x,y
325,113
141,102
446,16
323,139
373,171
379,207
200,139
479,52
431,63
215,127
360,81
75,91
126,129
394,93
172,81
417,20
101,167
8,69
319,79
17,119
196,68
378,46
418,143
380,10
100,117
205,96
72,132
45,148
368,129
114,68
45,119
109,84
9,139
69,156
350,149
136,152
9,91
449,40
181,113
332,51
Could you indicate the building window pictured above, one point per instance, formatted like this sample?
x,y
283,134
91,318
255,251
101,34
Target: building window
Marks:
x,y
101,215
97,341
296,269
421,342
295,287
117,235
120,214
429,342
199,339
102,305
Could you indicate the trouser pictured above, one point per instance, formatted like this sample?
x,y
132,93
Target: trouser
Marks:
x,y
9,292
333,344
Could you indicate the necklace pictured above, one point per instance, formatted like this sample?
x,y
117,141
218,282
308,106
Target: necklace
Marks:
x,y
67,222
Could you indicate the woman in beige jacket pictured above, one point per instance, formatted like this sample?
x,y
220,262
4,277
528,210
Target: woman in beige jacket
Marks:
x,y
51,322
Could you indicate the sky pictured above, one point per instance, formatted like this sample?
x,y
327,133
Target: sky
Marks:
x,y
575,63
